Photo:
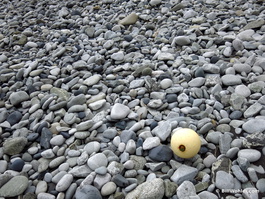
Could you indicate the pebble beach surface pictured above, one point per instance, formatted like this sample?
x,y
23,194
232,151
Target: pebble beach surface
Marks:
x,y
91,92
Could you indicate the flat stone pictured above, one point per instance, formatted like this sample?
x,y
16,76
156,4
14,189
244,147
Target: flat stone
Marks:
x,y
224,180
161,153
45,196
254,24
163,130
238,173
251,155
15,145
80,171
186,190
207,195
164,56
100,180
181,40
129,20
231,80
242,67
19,182
254,125
224,142
197,82
92,80
150,189
184,173
253,110
46,136
246,35
118,56
155,2
151,142
17,97
87,191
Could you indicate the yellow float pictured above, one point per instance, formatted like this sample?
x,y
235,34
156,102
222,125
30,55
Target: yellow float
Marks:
x,y
185,143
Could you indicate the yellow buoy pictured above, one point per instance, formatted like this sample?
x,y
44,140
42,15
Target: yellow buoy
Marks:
x,y
185,143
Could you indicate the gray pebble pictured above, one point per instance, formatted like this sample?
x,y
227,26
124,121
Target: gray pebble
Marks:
x,y
251,155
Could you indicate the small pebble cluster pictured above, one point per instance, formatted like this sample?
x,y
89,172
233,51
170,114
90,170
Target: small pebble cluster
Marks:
x,y
91,91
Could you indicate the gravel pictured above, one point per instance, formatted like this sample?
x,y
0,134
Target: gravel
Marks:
x,y
91,91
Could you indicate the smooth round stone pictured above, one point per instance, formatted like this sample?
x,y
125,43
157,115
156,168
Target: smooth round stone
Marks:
x,y
166,83
46,87
92,80
261,185
155,2
14,117
119,111
118,56
97,160
70,118
110,133
3,166
87,191
92,147
18,97
45,196
242,90
17,165
209,160
64,182
57,140
236,115
242,67
48,154
3,58
55,71
171,98
231,80
41,187
101,170
251,155
108,188
182,40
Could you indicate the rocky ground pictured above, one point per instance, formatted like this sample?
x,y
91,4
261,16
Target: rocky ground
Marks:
x,y
91,92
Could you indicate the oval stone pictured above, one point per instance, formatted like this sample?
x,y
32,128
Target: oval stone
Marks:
x,y
251,155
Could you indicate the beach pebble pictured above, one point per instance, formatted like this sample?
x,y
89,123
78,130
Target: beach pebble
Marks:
x,y
21,184
224,180
119,111
97,160
251,155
